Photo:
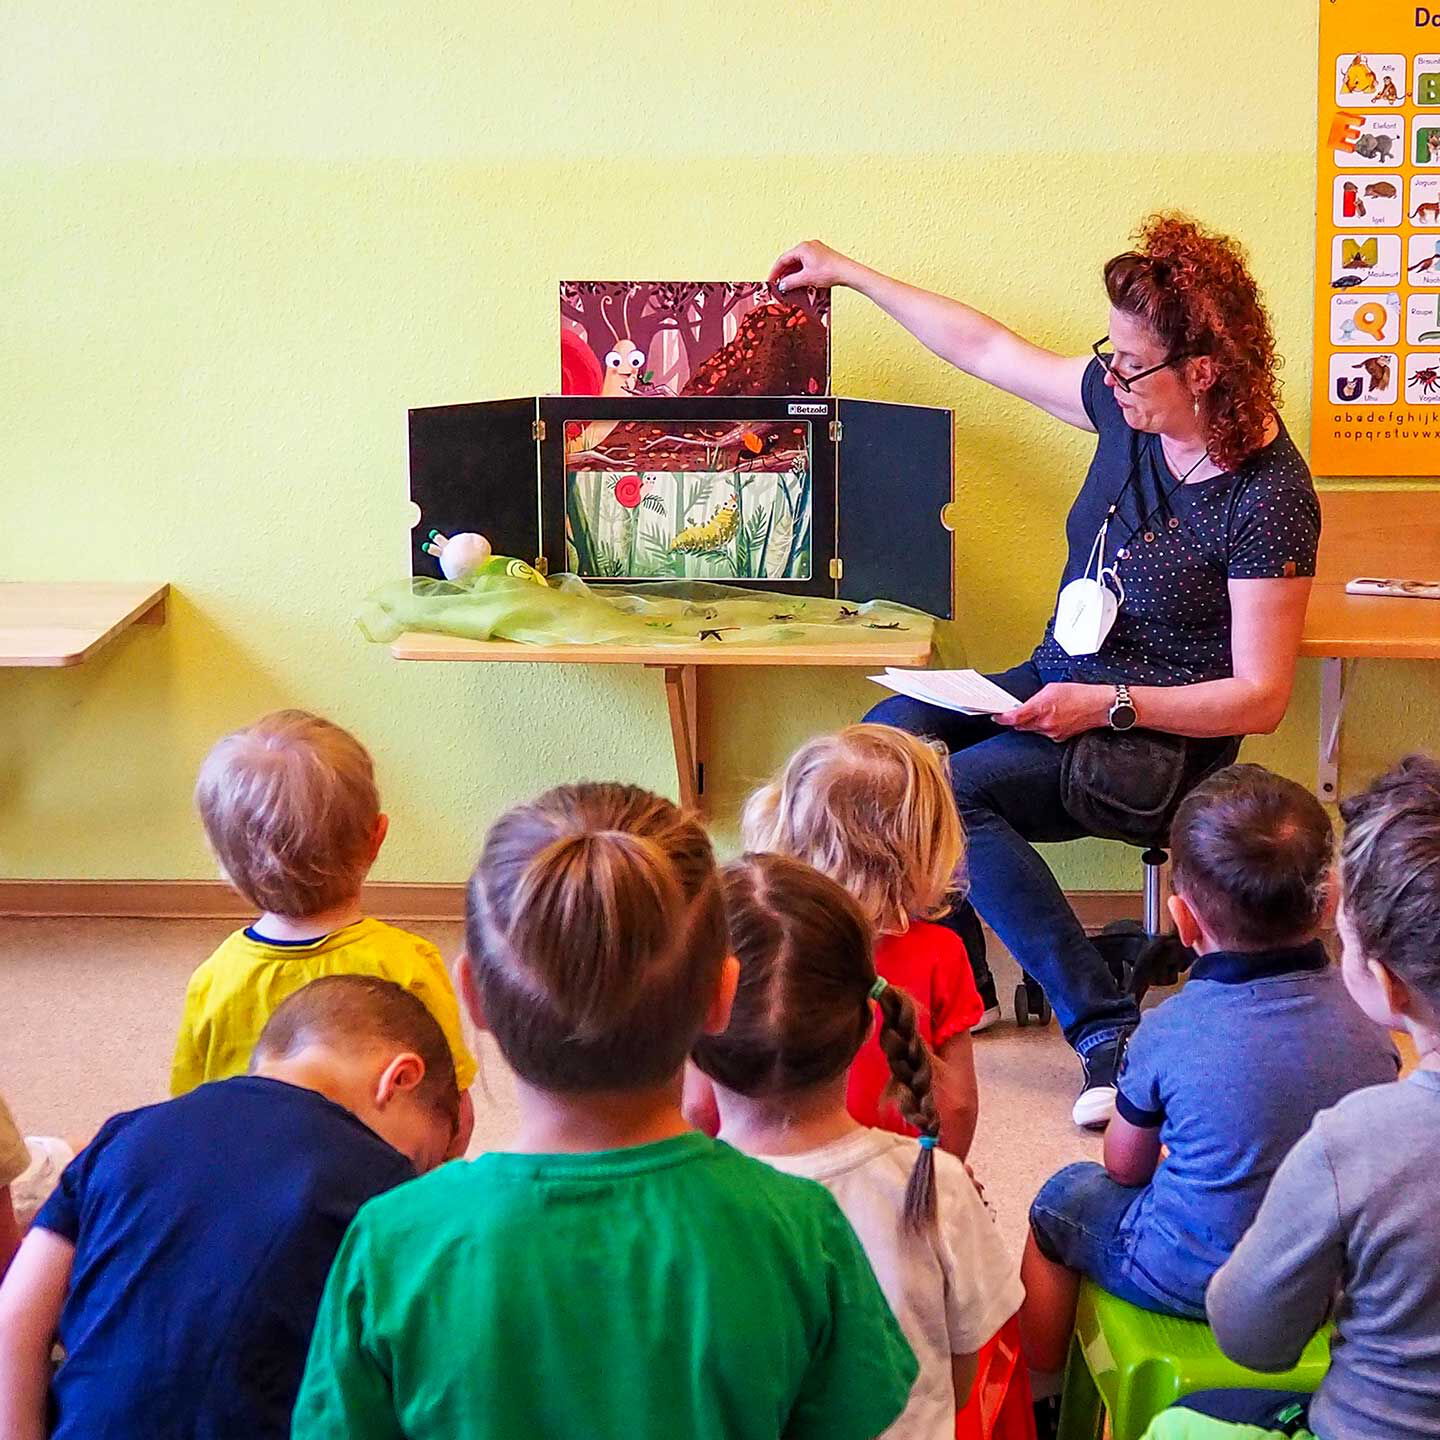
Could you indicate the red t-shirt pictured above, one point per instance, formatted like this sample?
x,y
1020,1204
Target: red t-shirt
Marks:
x,y
928,961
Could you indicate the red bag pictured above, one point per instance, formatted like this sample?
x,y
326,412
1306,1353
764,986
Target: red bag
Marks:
x,y
1000,1406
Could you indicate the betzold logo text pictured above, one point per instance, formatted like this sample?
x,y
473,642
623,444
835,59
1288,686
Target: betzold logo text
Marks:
x,y
809,410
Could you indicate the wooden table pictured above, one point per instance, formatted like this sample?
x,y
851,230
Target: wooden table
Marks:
x,y
682,665
56,623
1394,534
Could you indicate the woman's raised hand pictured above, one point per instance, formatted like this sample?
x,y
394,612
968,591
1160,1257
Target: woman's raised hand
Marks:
x,y
811,263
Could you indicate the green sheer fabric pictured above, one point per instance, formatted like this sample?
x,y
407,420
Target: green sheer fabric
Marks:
x,y
653,614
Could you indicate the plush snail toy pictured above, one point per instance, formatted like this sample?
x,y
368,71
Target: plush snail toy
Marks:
x,y
463,557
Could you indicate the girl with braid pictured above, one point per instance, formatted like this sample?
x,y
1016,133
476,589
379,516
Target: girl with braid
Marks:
x,y
802,1010
872,808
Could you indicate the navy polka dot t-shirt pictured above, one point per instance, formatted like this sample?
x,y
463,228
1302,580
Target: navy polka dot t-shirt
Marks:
x,y
1176,549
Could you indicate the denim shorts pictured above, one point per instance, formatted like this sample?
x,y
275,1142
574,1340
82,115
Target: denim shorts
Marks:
x,y
1083,1219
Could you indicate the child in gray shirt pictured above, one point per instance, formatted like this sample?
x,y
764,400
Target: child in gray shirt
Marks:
x,y
1353,1211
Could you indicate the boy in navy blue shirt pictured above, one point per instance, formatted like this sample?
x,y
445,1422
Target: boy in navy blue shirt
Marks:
x,y
1225,1076
181,1261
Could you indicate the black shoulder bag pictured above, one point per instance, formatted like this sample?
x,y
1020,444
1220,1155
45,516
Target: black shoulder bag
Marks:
x,y
1127,784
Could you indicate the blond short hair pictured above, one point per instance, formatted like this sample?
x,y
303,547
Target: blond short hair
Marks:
x,y
872,808
290,807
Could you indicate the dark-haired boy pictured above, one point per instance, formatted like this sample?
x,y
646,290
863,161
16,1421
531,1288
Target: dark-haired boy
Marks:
x,y
181,1261
1225,1076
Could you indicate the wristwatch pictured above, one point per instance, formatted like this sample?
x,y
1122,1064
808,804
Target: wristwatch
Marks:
x,y
1122,712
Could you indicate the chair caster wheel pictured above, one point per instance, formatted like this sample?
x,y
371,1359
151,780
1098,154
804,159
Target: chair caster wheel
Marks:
x,y
1031,1004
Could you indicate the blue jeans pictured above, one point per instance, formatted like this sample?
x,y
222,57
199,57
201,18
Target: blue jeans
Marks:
x,y
1270,1409
1007,785
1084,1219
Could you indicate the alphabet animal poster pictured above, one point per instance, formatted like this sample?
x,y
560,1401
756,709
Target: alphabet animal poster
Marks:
x,y
1376,404
661,337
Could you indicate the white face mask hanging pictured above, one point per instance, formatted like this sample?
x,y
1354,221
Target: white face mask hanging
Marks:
x,y
1086,608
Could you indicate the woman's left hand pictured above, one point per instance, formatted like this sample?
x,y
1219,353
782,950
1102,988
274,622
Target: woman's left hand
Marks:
x,y
1062,710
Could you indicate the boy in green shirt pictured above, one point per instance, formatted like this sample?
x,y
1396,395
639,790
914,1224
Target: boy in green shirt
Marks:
x,y
615,1274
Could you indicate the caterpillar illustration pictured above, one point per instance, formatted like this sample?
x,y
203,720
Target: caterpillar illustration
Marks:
x,y
714,534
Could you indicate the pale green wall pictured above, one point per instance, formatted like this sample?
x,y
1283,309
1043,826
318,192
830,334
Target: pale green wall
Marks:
x,y
239,240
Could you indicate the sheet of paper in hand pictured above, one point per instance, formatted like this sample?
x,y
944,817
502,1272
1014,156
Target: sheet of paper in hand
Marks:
x,y
965,691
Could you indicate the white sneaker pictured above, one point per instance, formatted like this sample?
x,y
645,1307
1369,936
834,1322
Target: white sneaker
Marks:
x,y
989,1016
49,1155
1095,1108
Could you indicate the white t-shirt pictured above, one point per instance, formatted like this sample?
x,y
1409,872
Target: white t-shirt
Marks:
x,y
951,1291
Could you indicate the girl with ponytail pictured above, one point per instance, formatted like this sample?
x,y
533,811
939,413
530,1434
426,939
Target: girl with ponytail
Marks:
x,y
807,996
614,1272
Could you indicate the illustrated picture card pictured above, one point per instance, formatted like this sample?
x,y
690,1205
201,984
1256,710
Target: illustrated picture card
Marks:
x,y
1363,379
1422,378
1370,79
1427,80
1365,319
1368,142
1371,200
1364,260
648,499
1424,201
666,337
1423,267
1422,320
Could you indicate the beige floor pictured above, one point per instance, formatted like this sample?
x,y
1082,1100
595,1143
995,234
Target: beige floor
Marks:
x,y
88,1012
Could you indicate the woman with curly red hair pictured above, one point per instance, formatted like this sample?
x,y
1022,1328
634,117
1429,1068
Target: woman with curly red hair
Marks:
x,y
1196,528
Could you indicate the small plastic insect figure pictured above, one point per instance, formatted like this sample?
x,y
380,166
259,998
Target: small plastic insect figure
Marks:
x,y
1428,379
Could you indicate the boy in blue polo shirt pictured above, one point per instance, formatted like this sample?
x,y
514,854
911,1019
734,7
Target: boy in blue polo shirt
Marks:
x,y
181,1261
1224,1077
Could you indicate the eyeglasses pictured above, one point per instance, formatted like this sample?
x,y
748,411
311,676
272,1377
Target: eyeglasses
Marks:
x,y
1127,382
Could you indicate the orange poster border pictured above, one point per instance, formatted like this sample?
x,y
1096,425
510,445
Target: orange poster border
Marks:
x,y
1400,439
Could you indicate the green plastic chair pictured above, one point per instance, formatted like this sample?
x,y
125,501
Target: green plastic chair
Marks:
x,y
1131,1364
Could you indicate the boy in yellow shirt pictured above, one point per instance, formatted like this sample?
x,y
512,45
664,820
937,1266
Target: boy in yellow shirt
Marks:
x,y
293,815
